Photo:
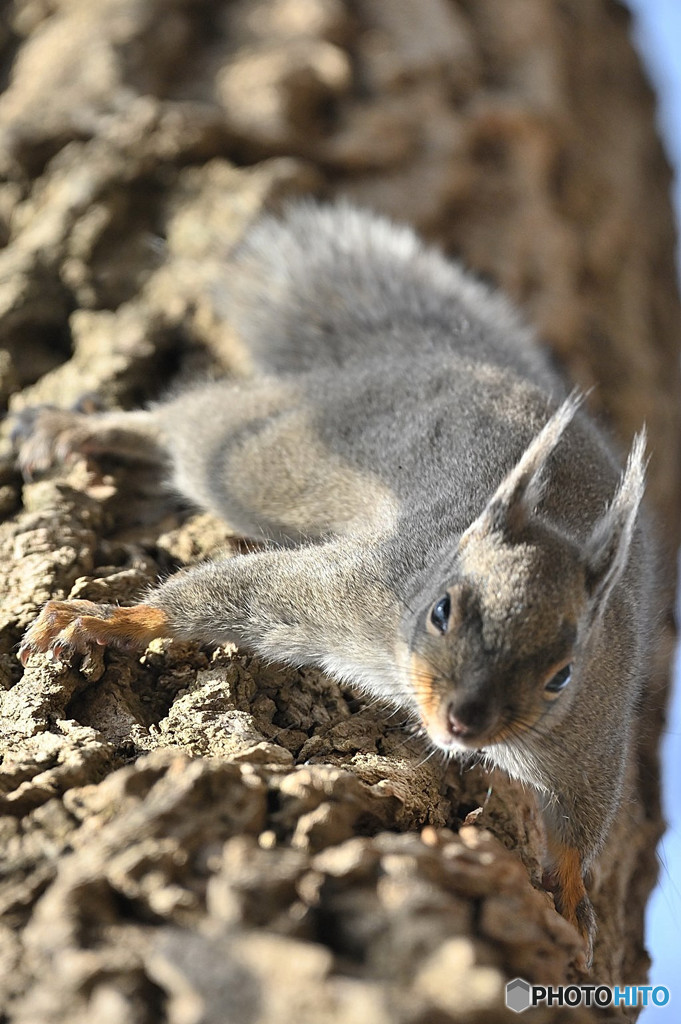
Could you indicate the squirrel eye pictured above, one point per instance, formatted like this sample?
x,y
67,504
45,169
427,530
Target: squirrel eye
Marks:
x,y
559,681
440,612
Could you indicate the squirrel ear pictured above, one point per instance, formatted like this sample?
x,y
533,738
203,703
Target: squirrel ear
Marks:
x,y
607,549
513,503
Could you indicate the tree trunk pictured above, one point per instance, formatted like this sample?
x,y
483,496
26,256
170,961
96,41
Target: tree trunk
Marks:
x,y
195,837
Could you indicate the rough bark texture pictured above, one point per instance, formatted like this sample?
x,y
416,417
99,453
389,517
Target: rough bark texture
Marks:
x,y
193,837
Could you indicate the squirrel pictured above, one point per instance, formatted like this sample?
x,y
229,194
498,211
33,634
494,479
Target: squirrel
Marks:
x,y
441,523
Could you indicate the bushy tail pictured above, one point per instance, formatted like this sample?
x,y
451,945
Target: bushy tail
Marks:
x,y
310,287
322,285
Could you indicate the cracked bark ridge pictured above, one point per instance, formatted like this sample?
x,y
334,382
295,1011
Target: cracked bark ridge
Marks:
x,y
192,836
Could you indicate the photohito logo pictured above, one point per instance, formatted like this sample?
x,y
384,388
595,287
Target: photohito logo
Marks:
x,y
520,995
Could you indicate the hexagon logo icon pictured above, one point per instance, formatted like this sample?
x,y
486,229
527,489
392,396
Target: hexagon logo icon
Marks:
x,y
518,995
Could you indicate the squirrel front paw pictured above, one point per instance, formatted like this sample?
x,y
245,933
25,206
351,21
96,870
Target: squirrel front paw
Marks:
x,y
571,898
65,628
585,920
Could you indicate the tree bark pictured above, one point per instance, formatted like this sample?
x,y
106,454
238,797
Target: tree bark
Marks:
x,y
195,837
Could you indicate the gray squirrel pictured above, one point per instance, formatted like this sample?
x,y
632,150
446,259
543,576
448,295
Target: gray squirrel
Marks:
x,y
441,524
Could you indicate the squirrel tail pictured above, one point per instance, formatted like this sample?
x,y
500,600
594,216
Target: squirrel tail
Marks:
x,y
321,285
315,285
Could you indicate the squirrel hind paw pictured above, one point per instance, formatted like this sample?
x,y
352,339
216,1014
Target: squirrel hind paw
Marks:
x,y
43,436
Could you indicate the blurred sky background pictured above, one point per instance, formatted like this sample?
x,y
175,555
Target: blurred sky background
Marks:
x,y
657,33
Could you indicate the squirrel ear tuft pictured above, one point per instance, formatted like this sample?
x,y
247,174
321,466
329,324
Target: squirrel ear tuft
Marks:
x,y
513,503
607,549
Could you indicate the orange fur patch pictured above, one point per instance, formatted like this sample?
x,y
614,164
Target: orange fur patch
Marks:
x,y
129,627
570,889
422,680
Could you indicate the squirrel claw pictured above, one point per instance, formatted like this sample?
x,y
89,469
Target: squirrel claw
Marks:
x,y
586,924
25,653
60,650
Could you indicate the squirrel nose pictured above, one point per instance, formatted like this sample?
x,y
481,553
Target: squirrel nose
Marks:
x,y
465,719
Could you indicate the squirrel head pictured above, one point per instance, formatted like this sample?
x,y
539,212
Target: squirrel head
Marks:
x,y
504,644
